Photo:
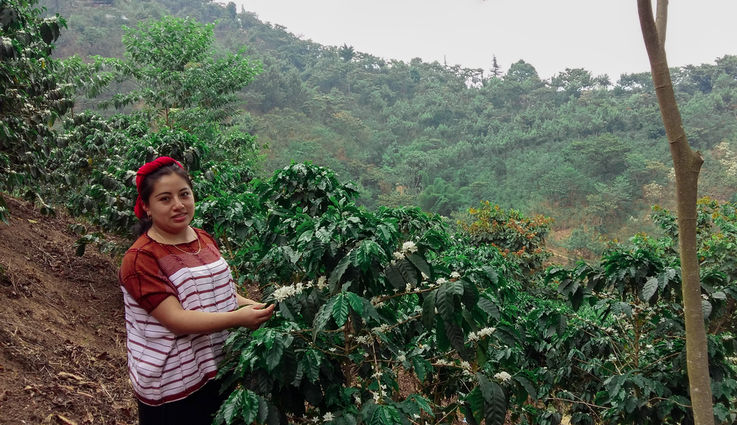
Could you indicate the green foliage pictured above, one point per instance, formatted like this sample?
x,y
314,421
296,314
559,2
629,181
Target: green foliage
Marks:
x,y
370,300
362,298
32,94
512,233
177,74
628,332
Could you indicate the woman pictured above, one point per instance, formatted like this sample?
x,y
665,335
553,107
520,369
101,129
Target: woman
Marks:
x,y
180,299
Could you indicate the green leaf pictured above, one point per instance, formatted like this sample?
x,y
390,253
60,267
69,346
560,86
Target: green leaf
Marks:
x,y
527,385
428,310
276,351
339,270
395,278
445,304
489,307
249,406
230,410
456,338
385,415
470,294
706,308
311,364
420,263
322,317
495,401
474,401
421,402
340,309
421,367
357,302
440,334
649,289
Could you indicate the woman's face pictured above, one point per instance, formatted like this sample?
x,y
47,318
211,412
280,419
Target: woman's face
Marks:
x,y
171,204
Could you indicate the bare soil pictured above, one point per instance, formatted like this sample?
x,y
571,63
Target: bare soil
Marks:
x,y
62,328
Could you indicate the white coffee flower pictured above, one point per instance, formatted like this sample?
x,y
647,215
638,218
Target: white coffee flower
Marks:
x,y
328,417
281,294
455,275
322,282
402,358
398,255
441,280
363,339
503,376
409,247
466,365
381,328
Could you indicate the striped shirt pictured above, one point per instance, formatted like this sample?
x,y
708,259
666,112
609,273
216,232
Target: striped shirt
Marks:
x,y
164,367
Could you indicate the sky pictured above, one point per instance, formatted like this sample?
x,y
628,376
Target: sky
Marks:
x,y
601,36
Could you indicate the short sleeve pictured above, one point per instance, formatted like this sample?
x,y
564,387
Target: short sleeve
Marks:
x,y
142,277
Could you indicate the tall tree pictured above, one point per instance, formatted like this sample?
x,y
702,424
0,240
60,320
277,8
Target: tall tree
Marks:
x,y
687,164
173,62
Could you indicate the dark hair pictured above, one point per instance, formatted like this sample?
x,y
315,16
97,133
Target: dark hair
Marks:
x,y
147,187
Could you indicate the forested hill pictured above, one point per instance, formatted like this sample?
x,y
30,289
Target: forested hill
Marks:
x,y
589,151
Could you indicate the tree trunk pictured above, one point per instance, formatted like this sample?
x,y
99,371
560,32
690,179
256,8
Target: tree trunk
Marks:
x,y
687,164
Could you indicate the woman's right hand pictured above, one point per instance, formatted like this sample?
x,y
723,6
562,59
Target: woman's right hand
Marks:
x,y
252,316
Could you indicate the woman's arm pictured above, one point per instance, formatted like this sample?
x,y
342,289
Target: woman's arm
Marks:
x,y
244,301
180,321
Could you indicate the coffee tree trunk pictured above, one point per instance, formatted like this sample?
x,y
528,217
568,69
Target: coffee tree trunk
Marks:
x,y
687,164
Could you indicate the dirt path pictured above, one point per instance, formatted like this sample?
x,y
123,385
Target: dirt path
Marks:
x,y
62,333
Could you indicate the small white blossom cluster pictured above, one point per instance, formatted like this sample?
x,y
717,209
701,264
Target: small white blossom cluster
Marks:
x,y
409,247
363,339
455,275
441,280
376,302
383,328
443,362
322,282
402,358
475,336
284,292
503,376
328,417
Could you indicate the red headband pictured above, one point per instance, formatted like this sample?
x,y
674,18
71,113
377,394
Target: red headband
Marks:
x,y
145,170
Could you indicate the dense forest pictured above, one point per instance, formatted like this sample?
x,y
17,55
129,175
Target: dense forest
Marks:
x,y
327,176
586,150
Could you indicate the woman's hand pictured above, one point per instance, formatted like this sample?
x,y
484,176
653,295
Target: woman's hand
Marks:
x,y
181,322
254,315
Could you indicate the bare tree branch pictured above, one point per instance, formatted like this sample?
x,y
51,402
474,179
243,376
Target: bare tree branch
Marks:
x,y
661,20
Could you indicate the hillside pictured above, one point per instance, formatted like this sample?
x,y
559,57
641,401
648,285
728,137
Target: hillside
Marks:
x,y
62,333
587,150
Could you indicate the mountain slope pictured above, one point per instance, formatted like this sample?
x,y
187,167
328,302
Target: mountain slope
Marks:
x,y
62,333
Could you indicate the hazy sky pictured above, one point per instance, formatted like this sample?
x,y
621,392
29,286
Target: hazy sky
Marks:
x,y
602,36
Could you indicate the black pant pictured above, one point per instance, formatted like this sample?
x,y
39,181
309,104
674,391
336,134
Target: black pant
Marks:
x,y
197,409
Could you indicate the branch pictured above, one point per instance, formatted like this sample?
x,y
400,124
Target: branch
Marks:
x,y
649,30
661,21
